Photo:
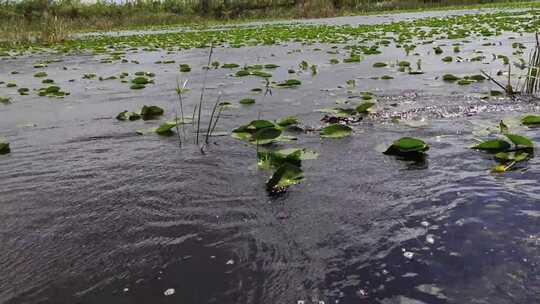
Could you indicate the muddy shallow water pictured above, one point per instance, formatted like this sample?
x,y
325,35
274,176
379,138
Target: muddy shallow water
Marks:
x,y
94,213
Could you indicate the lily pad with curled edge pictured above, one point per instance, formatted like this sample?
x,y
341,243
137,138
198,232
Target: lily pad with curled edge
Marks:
x,y
284,177
336,131
166,128
407,146
520,141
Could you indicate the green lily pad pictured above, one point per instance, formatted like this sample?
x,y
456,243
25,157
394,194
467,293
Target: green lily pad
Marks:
x,y
141,80
166,128
261,74
266,135
380,64
520,140
407,145
126,115
450,78
230,65
365,107
531,120
149,112
40,74
285,176
493,145
184,68
336,131
247,101
289,83
288,121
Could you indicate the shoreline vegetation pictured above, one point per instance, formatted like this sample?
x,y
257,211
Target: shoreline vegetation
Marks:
x,y
47,22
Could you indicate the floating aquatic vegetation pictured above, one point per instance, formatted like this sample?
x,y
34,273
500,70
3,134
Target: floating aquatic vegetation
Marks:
x,y
289,83
52,91
287,122
447,59
336,131
271,66
230,66
4,147
140,73
353,58
247,101
5,100
465,81
23,91
47,81
242,73
407,147
405,64
126,115
89,76
334,61
387,77
150,112
284,177
313,70
531,120
438,50
170,61
40,74
364,107
141,80
137,86
261,74
450,77
275,159
167,127
506,154
380,64
258,132
184,68
11,85
107,78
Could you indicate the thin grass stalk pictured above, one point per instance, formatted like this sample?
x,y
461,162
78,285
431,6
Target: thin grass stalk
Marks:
x,y
212,118
202,91
532,83
217,119
193,116
179,91
180,100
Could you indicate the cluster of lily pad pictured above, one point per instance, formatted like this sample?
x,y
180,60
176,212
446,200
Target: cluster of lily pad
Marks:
x,y
146,112
511,149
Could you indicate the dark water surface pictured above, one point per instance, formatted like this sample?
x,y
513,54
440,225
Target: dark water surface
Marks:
x,y
91,212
